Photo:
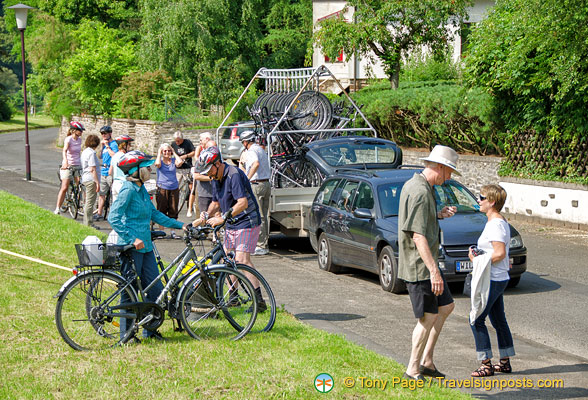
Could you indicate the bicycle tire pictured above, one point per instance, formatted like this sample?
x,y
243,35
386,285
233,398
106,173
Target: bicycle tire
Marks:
x,y
297,172
265,319
184,194
203,310
79,314
73,203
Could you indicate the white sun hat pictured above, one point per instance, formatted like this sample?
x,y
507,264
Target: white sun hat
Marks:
x,y
444,155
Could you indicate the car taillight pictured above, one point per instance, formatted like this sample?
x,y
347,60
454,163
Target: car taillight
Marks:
x,y
234,134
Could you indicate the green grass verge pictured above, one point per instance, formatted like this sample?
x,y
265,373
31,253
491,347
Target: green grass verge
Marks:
x,y
37,363
17,123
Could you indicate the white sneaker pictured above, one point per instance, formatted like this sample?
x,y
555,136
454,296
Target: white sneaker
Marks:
x,y
189,214
260,251
56,211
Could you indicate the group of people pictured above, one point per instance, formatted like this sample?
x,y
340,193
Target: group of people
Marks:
x,y
221,187
432,302
97,173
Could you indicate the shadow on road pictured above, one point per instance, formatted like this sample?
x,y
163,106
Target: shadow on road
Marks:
x,y
328,317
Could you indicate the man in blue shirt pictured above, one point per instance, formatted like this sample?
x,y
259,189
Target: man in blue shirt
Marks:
x,y
231,190
109,149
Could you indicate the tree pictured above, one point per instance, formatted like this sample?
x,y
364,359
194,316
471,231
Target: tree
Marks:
x,y
390,29
289,33
532,56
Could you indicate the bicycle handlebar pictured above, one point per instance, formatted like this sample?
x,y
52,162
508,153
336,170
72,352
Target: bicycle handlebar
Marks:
x,y
199,231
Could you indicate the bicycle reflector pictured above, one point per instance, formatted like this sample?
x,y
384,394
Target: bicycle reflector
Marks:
x,y
74,271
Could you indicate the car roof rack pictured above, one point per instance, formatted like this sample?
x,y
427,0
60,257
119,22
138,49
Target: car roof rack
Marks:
x,y
298,79
410,166
365,172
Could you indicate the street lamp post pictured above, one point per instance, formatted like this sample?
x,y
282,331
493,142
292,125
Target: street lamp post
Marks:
x,y
21,11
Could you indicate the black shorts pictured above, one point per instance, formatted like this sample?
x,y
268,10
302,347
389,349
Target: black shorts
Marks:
x,y
423,300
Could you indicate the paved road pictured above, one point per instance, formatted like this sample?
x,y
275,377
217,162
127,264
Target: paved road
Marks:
x,y
546,312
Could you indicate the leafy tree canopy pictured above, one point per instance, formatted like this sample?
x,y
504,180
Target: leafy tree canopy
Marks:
x,y
532,55
391,28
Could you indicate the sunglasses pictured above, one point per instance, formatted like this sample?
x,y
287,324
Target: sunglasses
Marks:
x,y
482,198
167,151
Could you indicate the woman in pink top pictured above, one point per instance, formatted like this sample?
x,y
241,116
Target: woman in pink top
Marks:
x,y
70,165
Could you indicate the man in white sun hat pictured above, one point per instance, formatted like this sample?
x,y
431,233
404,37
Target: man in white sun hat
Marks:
x,y
418,242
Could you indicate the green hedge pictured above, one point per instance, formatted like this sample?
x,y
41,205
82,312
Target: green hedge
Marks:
x,y
423,114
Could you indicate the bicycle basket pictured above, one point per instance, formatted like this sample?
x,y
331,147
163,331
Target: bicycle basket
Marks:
x,y
102,255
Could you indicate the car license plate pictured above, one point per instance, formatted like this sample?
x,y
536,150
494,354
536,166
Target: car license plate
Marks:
x,y
464,266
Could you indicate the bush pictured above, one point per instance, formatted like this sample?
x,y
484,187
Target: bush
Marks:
x,y
423,114
424,67
5,110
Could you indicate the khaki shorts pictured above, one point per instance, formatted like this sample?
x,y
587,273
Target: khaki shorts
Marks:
x,y
69,174
105,184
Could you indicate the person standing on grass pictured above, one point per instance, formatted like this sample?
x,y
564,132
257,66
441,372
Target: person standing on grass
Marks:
x,y
109,149
257,169
90,176
185,150
130,217
231,190
72,148
168,191
418,242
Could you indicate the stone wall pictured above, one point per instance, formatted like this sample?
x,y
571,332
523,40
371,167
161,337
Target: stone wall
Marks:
x,y
476,171
148,135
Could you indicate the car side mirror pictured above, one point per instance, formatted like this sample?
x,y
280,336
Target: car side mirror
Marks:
x,y
364,213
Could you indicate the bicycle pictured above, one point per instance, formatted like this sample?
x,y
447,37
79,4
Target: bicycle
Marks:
x,y
99,308
185,183
265,319
75,195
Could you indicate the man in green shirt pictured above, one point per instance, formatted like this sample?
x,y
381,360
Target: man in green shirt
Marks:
x,y
418,242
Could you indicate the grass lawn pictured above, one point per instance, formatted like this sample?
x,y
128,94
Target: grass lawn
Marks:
x,y
38,364
17,123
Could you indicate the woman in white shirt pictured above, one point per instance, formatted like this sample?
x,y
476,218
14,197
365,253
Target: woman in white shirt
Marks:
x,y
90,175
495,238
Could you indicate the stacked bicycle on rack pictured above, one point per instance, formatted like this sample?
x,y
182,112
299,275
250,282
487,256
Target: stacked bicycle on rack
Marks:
x,y
210,295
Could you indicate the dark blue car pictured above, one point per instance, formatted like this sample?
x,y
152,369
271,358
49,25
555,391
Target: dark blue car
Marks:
x,y
353,222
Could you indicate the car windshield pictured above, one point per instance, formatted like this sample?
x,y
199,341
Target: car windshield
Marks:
x,y
350,153
450,193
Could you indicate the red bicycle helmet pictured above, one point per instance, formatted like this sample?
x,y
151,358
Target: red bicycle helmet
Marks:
x,y
123,138
207,158
133,160
77,125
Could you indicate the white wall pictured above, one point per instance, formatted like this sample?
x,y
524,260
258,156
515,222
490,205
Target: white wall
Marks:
x,y
550,202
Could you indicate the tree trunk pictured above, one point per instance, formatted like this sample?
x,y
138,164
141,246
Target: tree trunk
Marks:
x,y
394,75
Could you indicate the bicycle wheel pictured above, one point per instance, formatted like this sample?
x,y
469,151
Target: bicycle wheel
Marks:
x,y
74,202
296,173
84,315
265,317
184,194
205,311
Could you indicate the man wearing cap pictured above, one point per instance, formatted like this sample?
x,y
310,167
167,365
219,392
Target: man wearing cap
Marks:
x,y
418,242
231,190
257,168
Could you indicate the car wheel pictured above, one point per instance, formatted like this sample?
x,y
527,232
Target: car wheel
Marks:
x,y
324,255
513,282
388,272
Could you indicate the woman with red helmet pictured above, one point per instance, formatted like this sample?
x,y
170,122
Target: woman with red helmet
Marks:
x,y
70,164
118,176
130,217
